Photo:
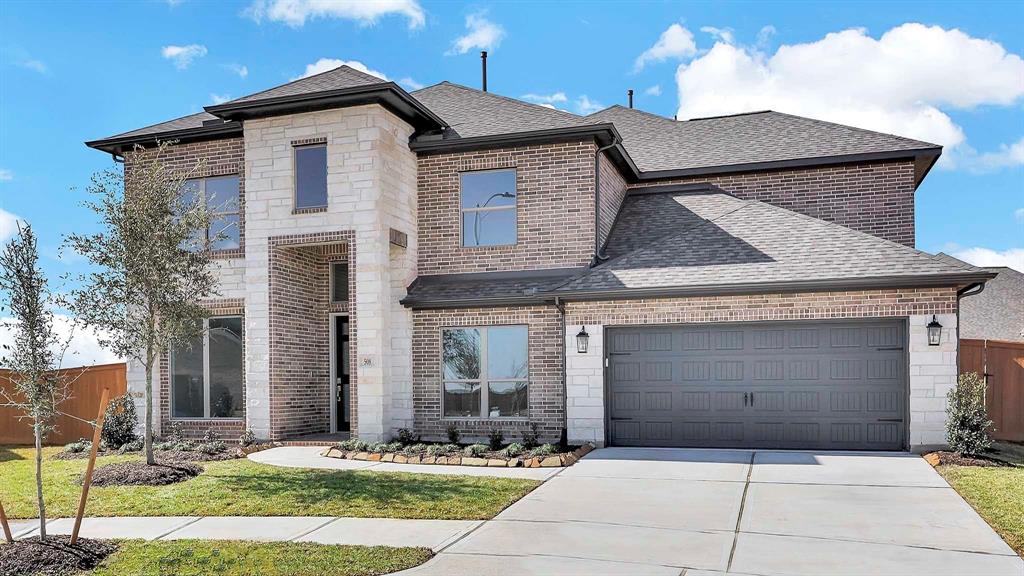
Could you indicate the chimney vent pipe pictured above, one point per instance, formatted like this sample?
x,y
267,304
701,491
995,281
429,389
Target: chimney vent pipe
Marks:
x,y
630,93
483,66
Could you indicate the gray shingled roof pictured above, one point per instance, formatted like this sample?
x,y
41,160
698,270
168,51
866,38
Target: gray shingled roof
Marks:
x,y
658,143
472,112
336,79
718,240
998,312
484,286
183,123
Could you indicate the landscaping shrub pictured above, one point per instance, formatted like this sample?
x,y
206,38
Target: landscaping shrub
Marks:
x,y
377,448
514,450
475,450
78,446
442,449
120,422
530,437
177,434
405,436
248,438
967,425
453,434
496,438
215,447
393,447
133,446
543,450
415,450
353,445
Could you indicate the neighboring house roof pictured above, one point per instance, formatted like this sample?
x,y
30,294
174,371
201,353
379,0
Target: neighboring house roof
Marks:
x,y
485,288
710,242
997,313
449,115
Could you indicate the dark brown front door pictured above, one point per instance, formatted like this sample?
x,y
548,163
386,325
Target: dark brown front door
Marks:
x,y
342,374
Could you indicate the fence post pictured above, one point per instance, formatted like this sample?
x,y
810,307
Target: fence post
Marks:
x,y
7,527
92,463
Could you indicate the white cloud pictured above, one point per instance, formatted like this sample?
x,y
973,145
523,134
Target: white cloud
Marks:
x,y
83,349
675,42
366,12
410,84
482,34
764,35
239,69
325,64
6,175
726,35
549,99
8,225
182,56
1012,258
898,83
653,90
585,105
1007,156
1018,214
219,98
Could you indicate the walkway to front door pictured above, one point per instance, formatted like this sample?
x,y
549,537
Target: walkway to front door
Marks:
x,y
665,511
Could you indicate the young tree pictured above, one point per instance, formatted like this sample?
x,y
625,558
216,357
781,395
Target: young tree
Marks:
x,y
39,387
152,264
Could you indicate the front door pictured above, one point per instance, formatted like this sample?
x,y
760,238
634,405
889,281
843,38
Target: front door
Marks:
x,y
342,376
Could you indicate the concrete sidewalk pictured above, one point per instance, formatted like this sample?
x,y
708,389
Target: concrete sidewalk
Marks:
x,y
433,534
309,457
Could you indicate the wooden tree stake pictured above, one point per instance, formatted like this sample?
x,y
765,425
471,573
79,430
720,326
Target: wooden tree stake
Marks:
x,y
92,464
7,527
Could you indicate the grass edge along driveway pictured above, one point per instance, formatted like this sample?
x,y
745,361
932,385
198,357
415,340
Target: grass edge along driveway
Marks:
x,y
245,488
997,494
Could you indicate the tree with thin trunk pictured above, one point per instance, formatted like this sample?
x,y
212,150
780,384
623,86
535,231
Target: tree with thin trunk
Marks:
x,y
151,260
38,384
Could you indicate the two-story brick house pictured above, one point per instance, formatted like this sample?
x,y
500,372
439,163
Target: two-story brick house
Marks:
x,y
452,257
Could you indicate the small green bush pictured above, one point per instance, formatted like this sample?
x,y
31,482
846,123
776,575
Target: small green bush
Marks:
x,y
78,446
415,450
475,450
119,422
177,433
210,435
442,449
530,437
353,445
214,447
248,438
405,436
967,423
496,438
543,450
514,450
377,448
133,446
453,434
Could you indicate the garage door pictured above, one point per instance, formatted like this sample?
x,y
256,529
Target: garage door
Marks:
x,y
782,385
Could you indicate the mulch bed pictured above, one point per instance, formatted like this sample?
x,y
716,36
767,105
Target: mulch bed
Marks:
x,y
137,473
945,458
171,456
53,556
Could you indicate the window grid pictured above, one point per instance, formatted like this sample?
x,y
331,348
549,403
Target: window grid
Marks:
x,y
210,234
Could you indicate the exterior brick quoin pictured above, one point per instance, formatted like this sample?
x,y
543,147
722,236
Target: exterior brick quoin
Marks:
x,y
877,198
300,385
545,371
554,209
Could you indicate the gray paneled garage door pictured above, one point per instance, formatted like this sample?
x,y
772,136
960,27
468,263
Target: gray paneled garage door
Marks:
x,y
820,385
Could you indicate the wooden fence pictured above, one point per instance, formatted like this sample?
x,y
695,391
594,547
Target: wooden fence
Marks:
x,y
84,403
1002,364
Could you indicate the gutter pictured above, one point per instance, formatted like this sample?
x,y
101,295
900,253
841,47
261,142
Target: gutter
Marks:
x,y
965,292
116,144
564,437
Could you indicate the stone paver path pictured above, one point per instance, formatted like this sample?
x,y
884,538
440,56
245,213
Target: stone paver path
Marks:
x,y
309,457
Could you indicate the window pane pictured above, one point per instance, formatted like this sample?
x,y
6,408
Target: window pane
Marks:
x,y
190,192
462,399
311,177
506,399
226,367
187,380
506,352
224,232
489,227
222,193
461,354
339,282
496,188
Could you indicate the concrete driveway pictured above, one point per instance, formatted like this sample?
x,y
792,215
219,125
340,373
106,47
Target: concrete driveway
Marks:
x,y
632,511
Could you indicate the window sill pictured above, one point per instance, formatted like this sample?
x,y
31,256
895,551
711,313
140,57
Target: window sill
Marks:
x,y
496,419
231,420
313,210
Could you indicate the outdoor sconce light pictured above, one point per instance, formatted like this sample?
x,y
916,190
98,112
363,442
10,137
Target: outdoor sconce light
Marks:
x,y
934,332
582,340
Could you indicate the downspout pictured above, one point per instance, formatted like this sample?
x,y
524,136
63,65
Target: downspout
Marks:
x,y
563,439
965,292
599,255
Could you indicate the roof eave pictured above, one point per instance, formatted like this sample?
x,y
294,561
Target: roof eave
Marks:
x,y
429,304
118,144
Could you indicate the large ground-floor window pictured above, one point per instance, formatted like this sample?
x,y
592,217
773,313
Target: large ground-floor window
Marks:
x,y
206,375
485,372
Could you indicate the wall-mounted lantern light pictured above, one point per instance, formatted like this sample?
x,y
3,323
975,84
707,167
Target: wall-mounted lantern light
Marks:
x,y
582,340
934,332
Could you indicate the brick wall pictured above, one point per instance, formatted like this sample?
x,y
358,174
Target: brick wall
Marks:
x,y
877,198
613,192
555,209
545,370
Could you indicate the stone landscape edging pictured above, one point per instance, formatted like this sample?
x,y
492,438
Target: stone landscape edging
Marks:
x,y
549,461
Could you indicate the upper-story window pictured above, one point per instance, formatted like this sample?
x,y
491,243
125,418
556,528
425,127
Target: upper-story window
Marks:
x,y
311,176
220,196
488,206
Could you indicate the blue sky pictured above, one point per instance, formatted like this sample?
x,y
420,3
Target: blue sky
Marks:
x,y
945,72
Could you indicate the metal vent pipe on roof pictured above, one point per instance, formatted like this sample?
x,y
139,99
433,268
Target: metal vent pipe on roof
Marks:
x,y
483,66
630,94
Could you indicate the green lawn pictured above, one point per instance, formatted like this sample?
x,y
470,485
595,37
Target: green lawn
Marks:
x,y
997,494
245,488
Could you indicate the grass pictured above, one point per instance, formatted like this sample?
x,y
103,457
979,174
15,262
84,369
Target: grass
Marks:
x,y
246,488
997,494
199,558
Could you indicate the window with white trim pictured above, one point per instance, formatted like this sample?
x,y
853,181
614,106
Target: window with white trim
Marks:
x,y
488,207
206,374
485,372
219,194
